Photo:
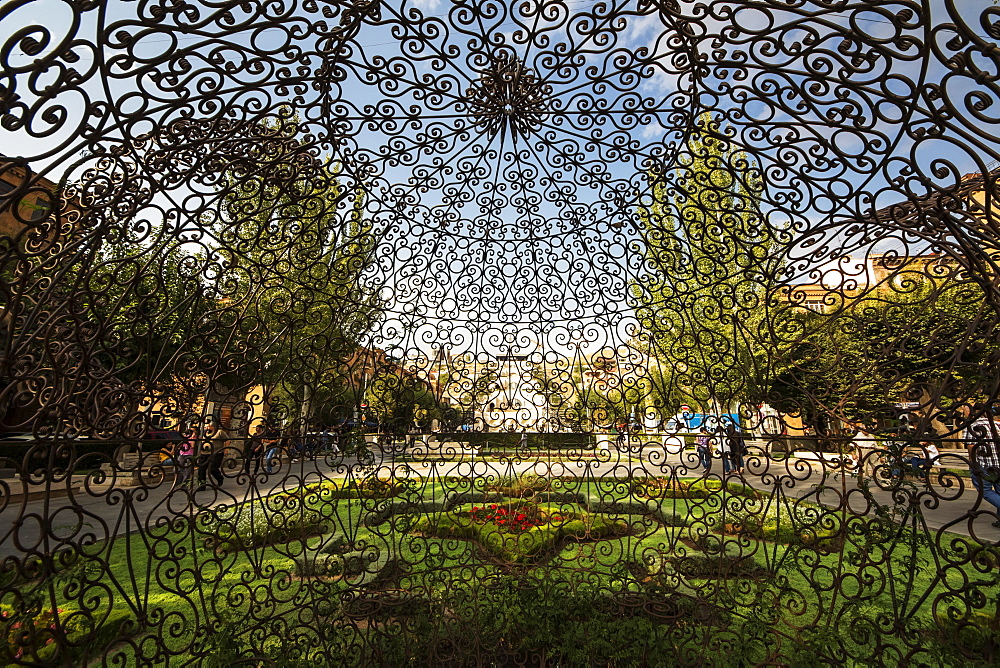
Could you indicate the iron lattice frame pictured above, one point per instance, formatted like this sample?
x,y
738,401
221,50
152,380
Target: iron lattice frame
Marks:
x,y
525,246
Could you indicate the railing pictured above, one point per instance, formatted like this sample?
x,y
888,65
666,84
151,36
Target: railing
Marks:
x,y
364,559
277,225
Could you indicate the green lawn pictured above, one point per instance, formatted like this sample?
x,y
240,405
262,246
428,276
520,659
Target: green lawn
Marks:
x,y
623,572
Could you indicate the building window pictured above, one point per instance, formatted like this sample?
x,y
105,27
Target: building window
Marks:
x,y
41,209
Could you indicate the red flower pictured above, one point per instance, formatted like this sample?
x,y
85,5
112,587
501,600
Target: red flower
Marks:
x,y
501,521
520,517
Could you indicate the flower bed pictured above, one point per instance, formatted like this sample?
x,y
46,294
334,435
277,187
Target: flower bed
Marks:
x,y
543,454
249,531
369,488
511,519
519,531
789,533
522,486
32,634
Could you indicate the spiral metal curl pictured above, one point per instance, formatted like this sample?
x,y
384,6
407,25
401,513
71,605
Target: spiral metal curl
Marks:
x,y
515,332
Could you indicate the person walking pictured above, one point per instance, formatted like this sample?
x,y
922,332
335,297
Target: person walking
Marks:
x,y
183,453
213,454
861,446
922,462
253,456
984,459
272,445
723,451
703,446
737,448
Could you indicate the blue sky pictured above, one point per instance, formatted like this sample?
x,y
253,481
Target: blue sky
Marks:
x,y
505,234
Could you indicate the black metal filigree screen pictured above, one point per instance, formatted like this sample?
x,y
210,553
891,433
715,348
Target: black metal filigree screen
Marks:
x,y
502,332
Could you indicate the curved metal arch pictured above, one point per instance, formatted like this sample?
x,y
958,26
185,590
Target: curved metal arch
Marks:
x,y
378,331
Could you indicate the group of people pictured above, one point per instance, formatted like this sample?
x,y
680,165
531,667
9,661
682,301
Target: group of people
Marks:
x,y
202,453
199,456
725,443
916,459
981,439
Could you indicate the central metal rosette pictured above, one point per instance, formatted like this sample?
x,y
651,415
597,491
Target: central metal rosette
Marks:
x,y
509,97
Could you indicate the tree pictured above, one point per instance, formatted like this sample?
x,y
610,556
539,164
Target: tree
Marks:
x,y
116,336
400,400
147,294
294,244
472,386
601,390
930,341
711,261
550,380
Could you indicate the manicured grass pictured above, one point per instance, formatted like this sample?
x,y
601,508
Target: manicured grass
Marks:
x,y
703,562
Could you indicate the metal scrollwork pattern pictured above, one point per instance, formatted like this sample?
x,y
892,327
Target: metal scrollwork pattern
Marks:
x,y
499,332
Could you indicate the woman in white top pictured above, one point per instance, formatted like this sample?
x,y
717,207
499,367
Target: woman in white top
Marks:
x,y
922,464
862,443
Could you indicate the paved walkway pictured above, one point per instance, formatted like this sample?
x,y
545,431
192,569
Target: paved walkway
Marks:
x,y
97,513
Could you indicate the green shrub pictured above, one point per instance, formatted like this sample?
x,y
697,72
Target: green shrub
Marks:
x,y
518,548
704,488
243,529
659,488
390,509
465,498
337,544
670,488
501,441
670,519
704,566
624,508
522,486
387,604
796,528
314,562
969,634
446,525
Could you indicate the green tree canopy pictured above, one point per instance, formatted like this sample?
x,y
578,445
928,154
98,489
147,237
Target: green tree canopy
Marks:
x,y
400,400
917,339
711,257
293,244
